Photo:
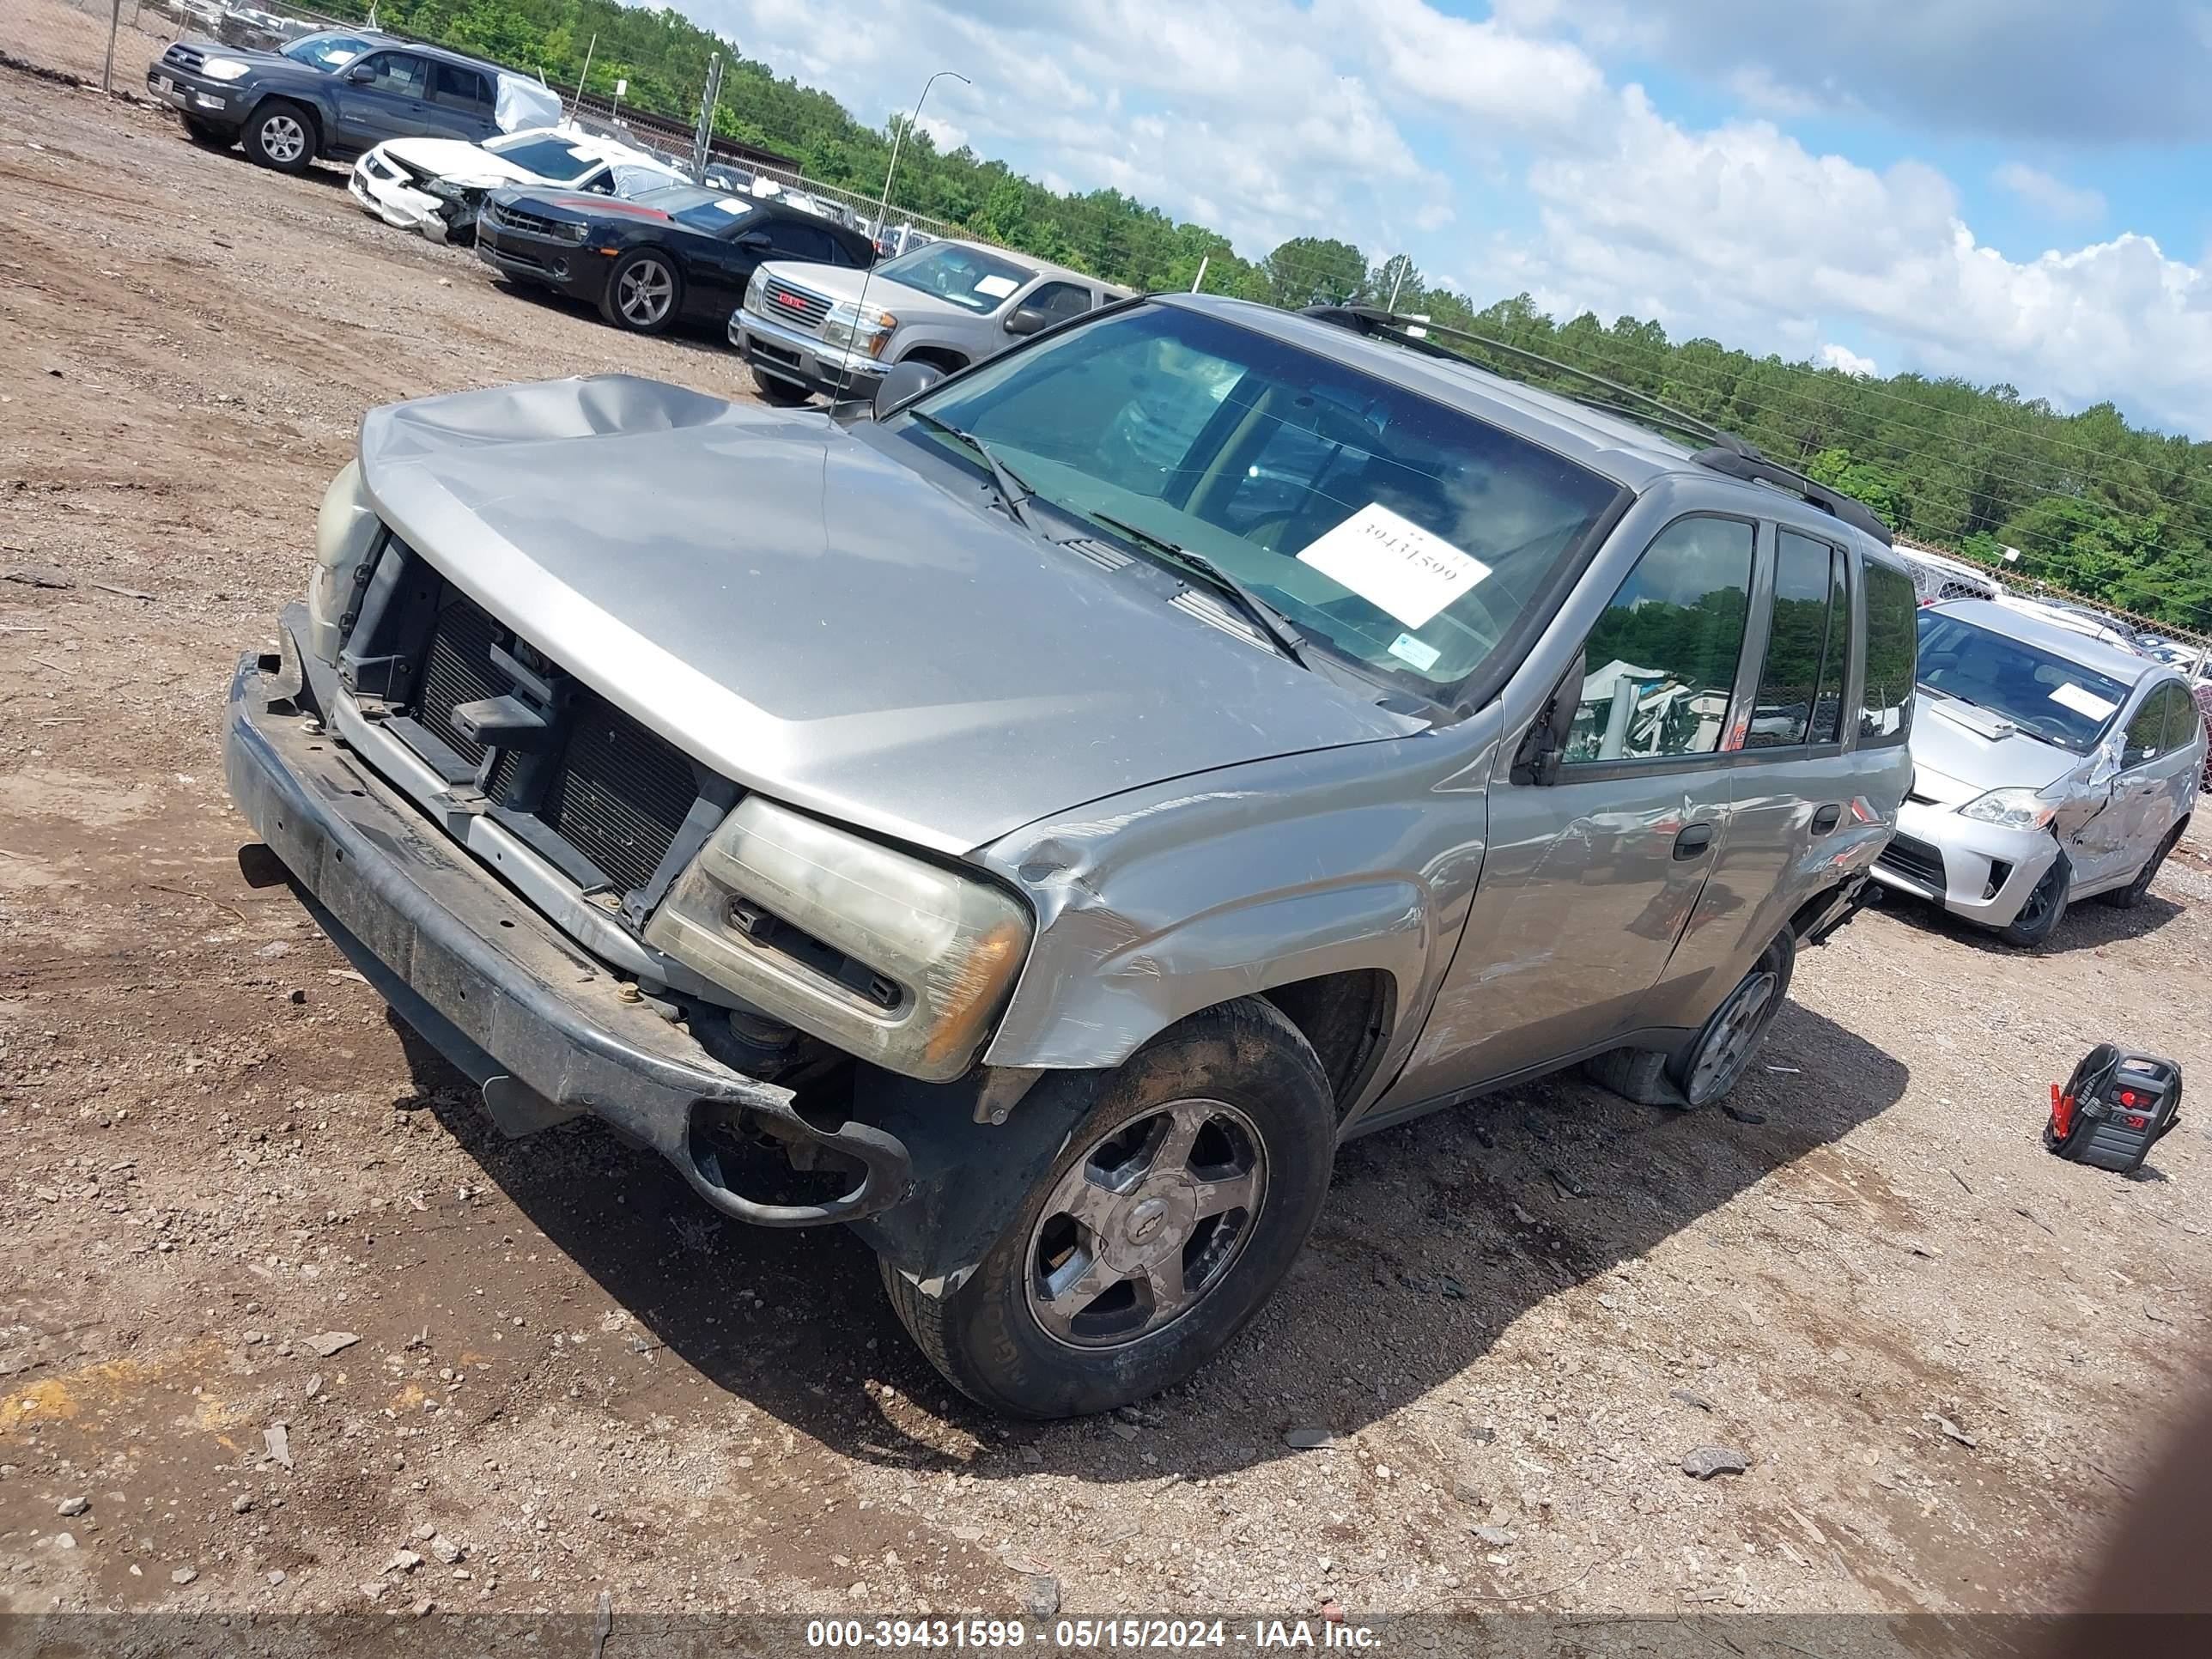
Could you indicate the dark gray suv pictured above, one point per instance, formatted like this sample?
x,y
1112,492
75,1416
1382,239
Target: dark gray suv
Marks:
x,y
1052,808
338,94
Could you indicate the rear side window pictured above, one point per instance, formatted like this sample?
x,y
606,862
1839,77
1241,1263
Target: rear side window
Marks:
x,y
1794,677
2182,718
1886,710
796,242
455,88
1659,665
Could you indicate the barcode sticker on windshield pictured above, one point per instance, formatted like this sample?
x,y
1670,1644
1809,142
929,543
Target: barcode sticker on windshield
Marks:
x,y
995,288
2072,697
1419,652
1394,564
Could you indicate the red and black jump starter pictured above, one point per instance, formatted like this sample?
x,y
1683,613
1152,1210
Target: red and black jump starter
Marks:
x,y
2114,1109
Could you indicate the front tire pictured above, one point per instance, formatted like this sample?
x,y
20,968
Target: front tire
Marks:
x,y
1179,1202
782,394
2127,897
2045,908
281,135
1716,1062
643,292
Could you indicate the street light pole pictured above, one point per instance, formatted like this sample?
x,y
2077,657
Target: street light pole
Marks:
x,y
883,207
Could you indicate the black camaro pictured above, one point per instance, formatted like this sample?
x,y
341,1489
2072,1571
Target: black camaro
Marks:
x,y
666,256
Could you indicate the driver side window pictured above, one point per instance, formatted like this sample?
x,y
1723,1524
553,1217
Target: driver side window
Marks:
x,y
1659,665
396,73
2145,740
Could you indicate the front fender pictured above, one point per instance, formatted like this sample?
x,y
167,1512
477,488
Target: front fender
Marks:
x,y
1180,896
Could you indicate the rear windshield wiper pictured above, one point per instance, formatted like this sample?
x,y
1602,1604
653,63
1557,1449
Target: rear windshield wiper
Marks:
x,y
1013,491
1270,622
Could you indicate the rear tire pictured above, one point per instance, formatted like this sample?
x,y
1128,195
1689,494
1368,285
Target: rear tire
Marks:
x,y
1716,1062
782,393
281,135
643,293
2045,908
208,137
2127,897
1115,1249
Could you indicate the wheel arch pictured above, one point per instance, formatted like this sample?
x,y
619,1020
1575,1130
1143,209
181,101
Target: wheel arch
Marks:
x,y
316,122
943,357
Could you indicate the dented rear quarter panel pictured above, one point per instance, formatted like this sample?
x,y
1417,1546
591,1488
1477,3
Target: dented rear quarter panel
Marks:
x,y
1155,903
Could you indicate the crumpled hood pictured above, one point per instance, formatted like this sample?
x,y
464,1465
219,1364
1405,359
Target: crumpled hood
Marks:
x,y
458,159
1957,753
821,622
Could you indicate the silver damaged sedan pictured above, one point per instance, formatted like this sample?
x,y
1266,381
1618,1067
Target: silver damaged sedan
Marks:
x,y
2047,767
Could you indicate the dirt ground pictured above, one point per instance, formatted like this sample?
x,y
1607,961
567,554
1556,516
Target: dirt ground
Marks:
x,y
1945,1355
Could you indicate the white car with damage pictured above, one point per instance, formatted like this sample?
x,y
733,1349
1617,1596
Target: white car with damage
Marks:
x,y
437,185
2048,767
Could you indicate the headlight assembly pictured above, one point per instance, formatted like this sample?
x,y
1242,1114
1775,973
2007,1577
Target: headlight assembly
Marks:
x,y
854,331
223,69
345,531
892,958
2010,809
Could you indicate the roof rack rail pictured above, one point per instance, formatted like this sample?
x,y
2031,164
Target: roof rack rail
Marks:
x,y
1727,453
1755,468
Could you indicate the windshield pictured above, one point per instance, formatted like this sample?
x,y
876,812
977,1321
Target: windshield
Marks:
x,y
546,154
2046,695
327,52
968,277
1400,534
702,209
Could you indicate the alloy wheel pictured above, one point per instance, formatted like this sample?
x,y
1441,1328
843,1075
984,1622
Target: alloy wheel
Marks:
x,y
644,292
1735,1032
1146,1224
282,138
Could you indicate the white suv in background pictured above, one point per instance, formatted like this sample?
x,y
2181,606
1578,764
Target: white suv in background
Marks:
x,y
808,328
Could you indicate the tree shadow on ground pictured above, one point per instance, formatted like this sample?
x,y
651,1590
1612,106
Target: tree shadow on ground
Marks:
x,y
1438,1236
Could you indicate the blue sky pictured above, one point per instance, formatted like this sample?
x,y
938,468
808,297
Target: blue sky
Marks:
x,y
2006,190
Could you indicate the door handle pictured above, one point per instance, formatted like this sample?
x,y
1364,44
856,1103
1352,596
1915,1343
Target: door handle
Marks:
x,y
1827,819
1693,840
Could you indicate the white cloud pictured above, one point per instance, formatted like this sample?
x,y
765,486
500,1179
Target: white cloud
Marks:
x,y
2051,196
1832,356
1502,149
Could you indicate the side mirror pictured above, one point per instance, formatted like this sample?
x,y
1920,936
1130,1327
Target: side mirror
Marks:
x,y
1544,748
905,382
361,75
754,239
1027,319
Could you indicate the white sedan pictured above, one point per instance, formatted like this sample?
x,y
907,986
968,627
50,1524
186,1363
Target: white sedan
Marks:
x,y
436,186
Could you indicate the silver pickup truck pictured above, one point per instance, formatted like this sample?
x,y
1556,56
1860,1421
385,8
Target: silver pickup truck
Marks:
x,y
806,329
1035,817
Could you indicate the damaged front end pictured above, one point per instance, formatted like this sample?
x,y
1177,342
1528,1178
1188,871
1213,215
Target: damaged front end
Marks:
x,y
411,197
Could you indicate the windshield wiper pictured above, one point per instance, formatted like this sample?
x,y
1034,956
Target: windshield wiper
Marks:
x,y
1270,622
1013,491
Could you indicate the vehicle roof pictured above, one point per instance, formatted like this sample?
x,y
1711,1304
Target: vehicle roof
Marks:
x,y
1614,447
2076,648
1042,267
597,146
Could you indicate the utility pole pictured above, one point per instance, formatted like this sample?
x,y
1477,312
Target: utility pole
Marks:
x,y
1398,283
702,140
579,101
898,136
1199,280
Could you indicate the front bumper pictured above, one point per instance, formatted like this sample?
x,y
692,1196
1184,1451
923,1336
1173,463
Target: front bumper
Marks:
x,y
1987,871
212,103
399,205
801,359
543,1026
568,266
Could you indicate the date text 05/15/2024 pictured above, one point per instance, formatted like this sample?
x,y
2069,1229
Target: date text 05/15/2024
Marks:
x,y
1129,1635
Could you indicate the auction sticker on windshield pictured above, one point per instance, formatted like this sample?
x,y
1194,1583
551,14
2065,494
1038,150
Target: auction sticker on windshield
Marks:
x,y
2072,697
1394,564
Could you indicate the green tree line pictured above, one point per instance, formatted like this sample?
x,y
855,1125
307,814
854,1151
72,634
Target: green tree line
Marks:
x,y
2096,506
